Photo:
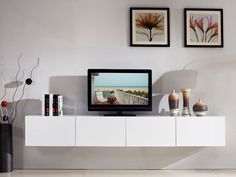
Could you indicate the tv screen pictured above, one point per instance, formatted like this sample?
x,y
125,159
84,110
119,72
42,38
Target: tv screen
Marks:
x,y
119,89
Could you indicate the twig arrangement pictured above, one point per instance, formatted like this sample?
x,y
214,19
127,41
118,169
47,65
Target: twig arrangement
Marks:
x,y
8,111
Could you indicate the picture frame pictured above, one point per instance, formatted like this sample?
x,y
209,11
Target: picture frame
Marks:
x,y
149,27
203,27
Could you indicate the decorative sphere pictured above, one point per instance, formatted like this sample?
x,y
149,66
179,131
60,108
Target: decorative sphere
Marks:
x,y
28,81
4,104
200,108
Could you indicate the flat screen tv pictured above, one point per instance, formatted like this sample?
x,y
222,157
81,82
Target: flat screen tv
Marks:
x,y
119,90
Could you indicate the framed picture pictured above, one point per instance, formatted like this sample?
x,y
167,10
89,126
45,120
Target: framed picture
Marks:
x,y
203,27
149,27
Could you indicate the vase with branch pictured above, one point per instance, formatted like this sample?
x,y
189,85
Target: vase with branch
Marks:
x,y
8,112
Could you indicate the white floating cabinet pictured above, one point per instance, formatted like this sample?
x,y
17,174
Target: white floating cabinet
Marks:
x,y
49,131
100,131
140,131
200,131
150,131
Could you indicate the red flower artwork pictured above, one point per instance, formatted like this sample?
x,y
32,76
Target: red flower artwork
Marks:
x,y
204,29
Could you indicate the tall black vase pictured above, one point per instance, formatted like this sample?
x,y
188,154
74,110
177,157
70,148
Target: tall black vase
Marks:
x,y
6,149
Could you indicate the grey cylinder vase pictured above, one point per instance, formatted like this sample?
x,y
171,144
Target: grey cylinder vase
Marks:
x,y
6,148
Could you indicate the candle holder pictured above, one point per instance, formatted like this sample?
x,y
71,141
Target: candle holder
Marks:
x,y
186,95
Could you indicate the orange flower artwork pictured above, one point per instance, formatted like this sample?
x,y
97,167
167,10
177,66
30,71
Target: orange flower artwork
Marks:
x,y
150,27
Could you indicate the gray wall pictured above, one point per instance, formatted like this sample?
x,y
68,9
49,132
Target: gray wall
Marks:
x,y
71,36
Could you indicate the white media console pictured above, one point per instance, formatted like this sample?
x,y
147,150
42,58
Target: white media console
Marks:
x,y
140,131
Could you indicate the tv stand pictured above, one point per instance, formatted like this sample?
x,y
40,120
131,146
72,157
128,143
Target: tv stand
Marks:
x,y
120,113
141,131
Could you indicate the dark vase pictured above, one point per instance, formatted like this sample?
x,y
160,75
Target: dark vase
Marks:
x,y
6,148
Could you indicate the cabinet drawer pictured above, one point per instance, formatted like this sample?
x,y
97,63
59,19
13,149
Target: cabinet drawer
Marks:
x,y
201,131
151,131
49,131
100,131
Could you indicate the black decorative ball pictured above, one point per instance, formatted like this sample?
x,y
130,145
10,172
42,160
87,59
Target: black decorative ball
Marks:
x,y
28,81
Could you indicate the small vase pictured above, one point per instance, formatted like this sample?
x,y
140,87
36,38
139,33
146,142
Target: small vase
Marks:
x,y
174,103
6,148
200,108
186,96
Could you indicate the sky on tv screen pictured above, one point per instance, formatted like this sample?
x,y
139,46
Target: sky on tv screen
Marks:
x,y
121,80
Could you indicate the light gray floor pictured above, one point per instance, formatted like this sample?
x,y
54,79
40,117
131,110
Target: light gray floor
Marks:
x,y
118,173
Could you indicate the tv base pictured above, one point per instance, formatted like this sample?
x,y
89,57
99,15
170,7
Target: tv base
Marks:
x,y
120,113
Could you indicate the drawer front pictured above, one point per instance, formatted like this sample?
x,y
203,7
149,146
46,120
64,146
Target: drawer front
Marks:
x,y
203,131
148,132
100,131
49,131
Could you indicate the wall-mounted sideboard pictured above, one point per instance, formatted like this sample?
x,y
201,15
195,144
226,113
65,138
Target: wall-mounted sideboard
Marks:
x,y
140,131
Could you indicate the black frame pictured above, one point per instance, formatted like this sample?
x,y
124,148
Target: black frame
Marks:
x,y
203,9
151,45
120,108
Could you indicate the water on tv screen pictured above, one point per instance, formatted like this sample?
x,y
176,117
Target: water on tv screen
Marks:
x,y
119,89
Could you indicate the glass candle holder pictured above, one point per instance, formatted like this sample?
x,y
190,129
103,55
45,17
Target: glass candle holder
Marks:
x,y
186,96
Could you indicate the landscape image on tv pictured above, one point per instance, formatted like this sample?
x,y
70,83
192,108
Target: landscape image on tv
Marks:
x,y
119,88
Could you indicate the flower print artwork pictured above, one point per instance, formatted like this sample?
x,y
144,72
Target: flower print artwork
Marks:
x,y
149,27
204,28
